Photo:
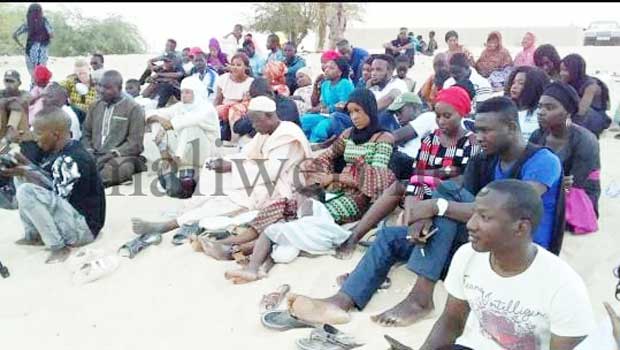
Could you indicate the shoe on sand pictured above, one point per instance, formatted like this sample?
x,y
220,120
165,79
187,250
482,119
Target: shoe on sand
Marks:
x,y
96,269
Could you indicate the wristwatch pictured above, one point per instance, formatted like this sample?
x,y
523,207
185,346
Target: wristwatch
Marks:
x,y
442,206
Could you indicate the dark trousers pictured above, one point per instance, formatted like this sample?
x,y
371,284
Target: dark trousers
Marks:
x,y
392,246
165,91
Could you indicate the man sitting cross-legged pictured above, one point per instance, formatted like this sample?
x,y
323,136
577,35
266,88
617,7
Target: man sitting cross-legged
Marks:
x,y
505,155
62,203
512,293
114,132
264,171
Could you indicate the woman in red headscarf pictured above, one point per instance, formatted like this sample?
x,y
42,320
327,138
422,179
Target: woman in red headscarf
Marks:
x,y
443,155
274,72
330,55
42,77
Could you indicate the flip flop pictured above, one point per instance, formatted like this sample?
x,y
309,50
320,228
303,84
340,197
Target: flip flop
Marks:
x,y
327,337
282,320
135,246
272,300
395,344
184,232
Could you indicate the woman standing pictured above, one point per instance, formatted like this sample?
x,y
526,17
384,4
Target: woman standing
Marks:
x,y
525,86
594,94
39,32
578,150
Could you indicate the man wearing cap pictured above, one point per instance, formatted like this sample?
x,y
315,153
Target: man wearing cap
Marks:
x,y
266,170
205,73
13,110
171,46
114,132
165,81
414,126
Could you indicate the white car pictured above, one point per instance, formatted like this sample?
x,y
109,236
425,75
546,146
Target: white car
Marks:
x,y
602,33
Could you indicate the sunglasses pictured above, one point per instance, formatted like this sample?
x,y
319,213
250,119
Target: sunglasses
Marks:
x,y
10,81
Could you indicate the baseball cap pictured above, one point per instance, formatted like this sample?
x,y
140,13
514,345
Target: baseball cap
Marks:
x,y
403,99
12,75
194,51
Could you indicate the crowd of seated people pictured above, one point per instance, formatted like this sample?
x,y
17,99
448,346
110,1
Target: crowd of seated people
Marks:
x,y
489,159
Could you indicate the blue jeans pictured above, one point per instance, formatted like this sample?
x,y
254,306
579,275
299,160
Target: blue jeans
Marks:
x,y
392,246
43,213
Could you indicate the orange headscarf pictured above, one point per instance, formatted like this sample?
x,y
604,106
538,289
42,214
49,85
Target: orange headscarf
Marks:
x,y
274,73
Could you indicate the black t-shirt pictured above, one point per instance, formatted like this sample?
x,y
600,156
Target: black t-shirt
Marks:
x,y
76,179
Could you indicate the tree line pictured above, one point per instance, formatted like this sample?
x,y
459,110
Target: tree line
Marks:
x,y
74,34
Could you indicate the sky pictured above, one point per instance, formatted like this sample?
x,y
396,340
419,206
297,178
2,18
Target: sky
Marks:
x,y
195,23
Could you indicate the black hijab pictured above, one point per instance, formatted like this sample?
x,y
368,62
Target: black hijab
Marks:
x,y
365,99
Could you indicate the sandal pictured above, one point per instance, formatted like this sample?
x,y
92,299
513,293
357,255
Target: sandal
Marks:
x,y
184,232
238,255
272,300
282,320
328,337
395,344
135,246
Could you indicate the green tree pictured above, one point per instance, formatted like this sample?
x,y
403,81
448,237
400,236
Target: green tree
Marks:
x,y
74,34
297,20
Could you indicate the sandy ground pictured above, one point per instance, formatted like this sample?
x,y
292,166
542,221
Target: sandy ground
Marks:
x,y
170,297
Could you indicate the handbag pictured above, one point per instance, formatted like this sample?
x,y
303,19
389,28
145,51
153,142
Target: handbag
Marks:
x,y
580,215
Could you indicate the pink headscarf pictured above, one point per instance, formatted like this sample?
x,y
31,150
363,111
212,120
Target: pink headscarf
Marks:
x,y
526,57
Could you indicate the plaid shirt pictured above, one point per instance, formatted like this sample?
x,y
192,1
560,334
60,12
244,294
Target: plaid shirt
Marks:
x,y
81,102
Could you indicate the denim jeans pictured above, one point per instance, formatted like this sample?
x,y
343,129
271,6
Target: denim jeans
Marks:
x,y
45,214
392,246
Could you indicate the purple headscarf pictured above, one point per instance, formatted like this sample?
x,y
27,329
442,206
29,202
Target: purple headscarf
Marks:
x,y
221,59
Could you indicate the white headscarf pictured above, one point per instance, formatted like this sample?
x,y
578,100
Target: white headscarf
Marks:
x,y
200,94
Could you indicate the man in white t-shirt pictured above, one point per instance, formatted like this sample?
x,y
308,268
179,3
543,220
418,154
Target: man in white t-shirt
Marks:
x,y
516,294
461,71
415,126
382,82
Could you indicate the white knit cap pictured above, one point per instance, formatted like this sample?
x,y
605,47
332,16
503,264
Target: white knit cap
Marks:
x,y
262,104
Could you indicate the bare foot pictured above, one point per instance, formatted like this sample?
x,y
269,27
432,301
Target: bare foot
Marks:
x,y
404,314
215,250
58,256
140,226
242,276
195,244
316,311
346,249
